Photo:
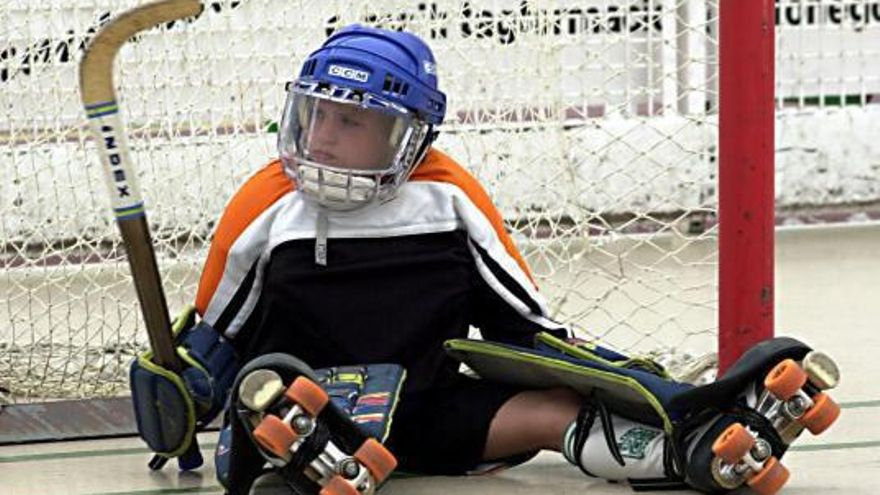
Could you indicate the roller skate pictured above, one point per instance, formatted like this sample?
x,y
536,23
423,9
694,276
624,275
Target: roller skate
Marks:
x,y
320,430
744,445
641,425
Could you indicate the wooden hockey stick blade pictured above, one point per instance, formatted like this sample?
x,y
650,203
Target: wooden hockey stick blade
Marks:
x,y
99,99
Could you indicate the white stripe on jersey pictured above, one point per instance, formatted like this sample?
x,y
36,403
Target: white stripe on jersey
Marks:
x,y
421,207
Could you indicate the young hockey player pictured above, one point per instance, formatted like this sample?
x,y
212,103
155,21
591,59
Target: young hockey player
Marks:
x,y
363,244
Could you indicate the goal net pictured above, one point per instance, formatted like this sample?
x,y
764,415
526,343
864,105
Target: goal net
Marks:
x,y
592,123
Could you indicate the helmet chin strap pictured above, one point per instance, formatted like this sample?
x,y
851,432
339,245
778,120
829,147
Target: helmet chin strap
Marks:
x,y
321,227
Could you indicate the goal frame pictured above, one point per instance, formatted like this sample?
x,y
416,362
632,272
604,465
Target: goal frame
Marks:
x,y
745,204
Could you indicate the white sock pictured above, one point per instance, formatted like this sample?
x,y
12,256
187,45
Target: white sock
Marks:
x,y
641,447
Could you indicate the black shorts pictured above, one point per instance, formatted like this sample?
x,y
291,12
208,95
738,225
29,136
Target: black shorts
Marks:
x,y
444,431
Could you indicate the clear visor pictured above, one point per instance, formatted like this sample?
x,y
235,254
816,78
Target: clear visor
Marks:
x,y
347,134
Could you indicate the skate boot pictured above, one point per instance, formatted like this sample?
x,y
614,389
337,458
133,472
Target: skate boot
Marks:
x,y
730,433
745,444
319,430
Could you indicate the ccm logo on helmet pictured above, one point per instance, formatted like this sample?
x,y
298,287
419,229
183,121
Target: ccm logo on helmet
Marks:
x,y
349,73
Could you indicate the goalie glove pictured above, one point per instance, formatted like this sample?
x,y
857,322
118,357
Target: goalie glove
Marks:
x,y
170,407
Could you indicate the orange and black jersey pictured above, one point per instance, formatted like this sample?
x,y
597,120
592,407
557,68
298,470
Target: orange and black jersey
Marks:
x,y
400,279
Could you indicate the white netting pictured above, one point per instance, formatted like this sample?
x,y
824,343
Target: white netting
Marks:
x,y
593,123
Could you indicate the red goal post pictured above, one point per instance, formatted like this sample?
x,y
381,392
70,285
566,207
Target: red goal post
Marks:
x,y
746,176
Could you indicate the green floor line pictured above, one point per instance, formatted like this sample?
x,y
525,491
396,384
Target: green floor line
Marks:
x,y
857,405
836,446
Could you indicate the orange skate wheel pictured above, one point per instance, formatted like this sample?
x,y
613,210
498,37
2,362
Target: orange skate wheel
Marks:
x,y
276,436
308,395
733,443
823,413
785,379
770,479
377,459
339,486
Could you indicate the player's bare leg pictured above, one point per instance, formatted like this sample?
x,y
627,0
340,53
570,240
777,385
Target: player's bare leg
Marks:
x,y
530,421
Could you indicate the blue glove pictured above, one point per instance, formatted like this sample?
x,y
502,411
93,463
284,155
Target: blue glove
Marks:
x,y
170,407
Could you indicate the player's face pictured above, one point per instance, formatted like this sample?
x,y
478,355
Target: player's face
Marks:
x,y
349,137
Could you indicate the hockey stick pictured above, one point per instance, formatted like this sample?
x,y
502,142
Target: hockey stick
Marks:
x,y
99,99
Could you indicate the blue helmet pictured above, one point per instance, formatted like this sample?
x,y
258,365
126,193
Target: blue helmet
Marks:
x,y
399,66
360,116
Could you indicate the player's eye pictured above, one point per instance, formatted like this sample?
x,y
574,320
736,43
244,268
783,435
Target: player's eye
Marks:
x,y
349,121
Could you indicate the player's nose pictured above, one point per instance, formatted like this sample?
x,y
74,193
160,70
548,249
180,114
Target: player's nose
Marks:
x,y
324,132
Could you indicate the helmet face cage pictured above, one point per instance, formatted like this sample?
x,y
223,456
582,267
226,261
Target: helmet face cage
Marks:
x,y
346,148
